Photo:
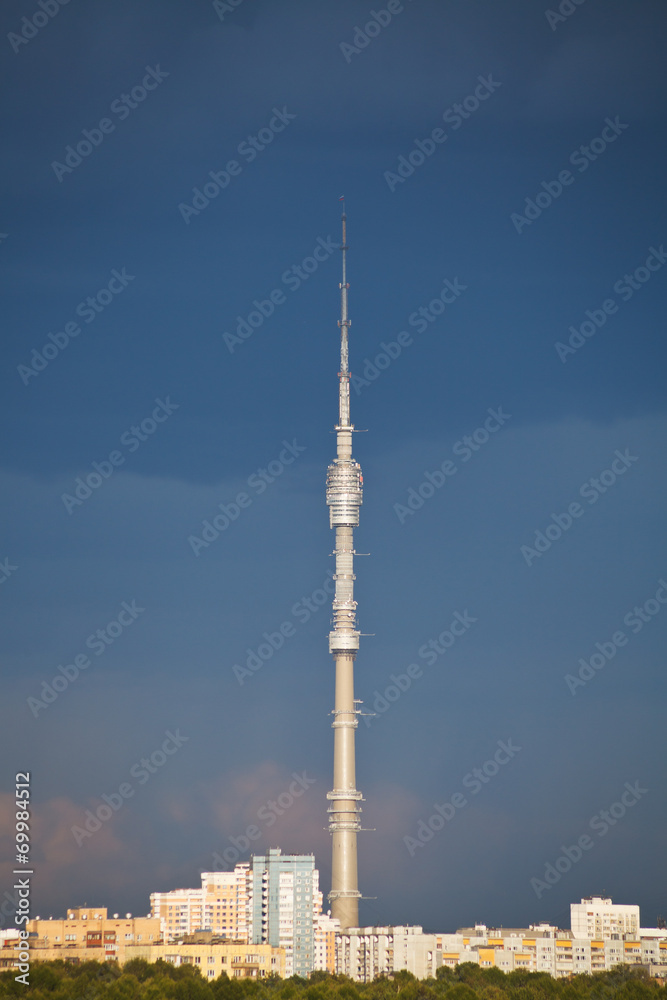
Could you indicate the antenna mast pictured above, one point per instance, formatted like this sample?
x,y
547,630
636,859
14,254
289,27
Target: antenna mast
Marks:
x,y
344,497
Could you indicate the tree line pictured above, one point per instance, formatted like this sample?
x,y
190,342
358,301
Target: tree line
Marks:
x,y
141,980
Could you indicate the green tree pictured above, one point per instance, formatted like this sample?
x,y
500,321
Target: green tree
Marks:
x,y
460,991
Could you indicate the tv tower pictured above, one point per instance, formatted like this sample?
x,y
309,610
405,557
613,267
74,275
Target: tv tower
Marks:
x,y
344,497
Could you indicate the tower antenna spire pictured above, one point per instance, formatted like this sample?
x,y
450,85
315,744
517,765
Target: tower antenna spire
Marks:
x,y
344,497
344,324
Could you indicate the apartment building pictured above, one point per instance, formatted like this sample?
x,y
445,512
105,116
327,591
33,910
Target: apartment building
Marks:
x,y
213,956
87,934
325,930
544,948
274,900
363,953
285,902
598,917
221,904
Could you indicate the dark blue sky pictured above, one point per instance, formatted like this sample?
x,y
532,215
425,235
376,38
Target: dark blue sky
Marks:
x,y
150,353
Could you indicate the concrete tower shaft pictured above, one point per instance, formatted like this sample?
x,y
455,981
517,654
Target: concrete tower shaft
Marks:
x,y
344,497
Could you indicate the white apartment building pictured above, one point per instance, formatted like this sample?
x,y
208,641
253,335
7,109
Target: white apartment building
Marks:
x,y
598,917
363,953
221,904
179,911
326,929
226,903
544,948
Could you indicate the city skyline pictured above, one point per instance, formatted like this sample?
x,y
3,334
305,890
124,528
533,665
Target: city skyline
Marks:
x,y
266,919
171,263
254,895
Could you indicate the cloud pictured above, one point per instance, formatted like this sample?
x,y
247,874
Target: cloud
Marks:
x,y
62,869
